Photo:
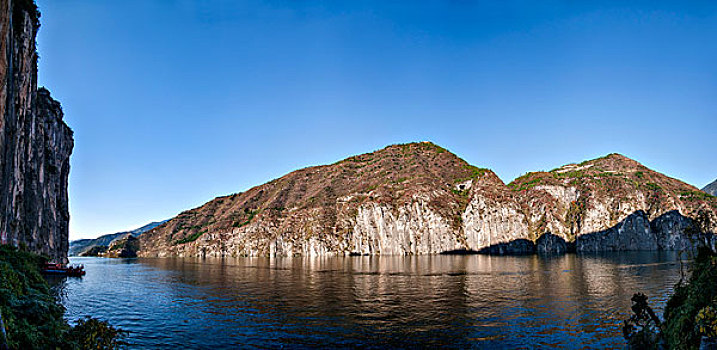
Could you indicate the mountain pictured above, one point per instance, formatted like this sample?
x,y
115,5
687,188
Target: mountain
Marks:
x,y
613,203
404,198
81,245
711,188
419,198
35,143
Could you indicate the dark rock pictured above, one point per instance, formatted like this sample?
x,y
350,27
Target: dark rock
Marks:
x,y
125,247
96,250
669,231
460,252
672,231
549,243
515,247
633,233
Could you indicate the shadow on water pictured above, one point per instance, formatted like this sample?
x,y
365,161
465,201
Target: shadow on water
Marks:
x,y
369,301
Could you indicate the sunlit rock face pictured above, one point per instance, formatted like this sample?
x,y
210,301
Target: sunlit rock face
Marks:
x,y
493,216
414,198
613,203
35,144
412,229
403,199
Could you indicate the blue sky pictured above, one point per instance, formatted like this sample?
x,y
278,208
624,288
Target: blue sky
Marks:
x,y
176,102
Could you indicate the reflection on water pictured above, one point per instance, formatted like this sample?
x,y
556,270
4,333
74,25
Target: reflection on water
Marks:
x,y
457,301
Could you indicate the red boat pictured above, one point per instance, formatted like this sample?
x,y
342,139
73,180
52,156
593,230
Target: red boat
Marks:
x,y
64,270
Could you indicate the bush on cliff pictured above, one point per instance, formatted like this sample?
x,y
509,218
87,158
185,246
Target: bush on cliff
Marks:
x,y
690,314
683,329
32,315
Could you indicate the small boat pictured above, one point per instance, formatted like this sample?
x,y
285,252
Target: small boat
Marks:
x,y
63,270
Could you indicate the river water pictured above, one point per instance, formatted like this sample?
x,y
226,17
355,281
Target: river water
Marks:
x,y
478,301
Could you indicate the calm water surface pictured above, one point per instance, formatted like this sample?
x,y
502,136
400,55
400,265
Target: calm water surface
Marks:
x,y
570,301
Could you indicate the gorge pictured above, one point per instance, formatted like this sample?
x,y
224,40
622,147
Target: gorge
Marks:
x,y
408,246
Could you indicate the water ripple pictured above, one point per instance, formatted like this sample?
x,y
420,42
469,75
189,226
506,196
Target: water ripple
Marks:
x,y
371,302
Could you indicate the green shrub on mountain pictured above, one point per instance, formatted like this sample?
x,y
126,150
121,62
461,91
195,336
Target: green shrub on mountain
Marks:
x,y
690,314
32,315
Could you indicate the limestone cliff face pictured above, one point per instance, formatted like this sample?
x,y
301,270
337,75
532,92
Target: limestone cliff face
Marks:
x,y
421,199
493,215
613,203
35,144
404,199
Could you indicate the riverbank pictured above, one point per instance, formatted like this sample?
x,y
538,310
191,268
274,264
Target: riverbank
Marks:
x,y
690,317
32,316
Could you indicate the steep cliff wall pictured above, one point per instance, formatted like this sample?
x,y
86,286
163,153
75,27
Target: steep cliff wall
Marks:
x,y
402,199
420,199
35,144
493,216
613,203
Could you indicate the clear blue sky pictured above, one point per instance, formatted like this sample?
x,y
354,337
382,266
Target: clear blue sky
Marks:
x,y
176,102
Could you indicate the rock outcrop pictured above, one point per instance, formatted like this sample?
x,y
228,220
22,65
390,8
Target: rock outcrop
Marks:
x,y
95,250
35,144
421,199
711,188
123,247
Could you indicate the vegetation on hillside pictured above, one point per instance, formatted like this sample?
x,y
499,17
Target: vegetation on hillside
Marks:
x,y
611,183
33,317
690,315
304,202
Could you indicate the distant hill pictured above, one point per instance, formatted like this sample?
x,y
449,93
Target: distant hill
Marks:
x,y
711,188
81,245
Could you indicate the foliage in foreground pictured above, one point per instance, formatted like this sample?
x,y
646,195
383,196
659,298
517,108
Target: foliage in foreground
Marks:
x,y
32,315
690,314
91,333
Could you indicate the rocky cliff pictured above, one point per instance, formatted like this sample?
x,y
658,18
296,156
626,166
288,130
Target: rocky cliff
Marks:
x,y
402,199
420,199
35,144
123,247
711,188
614,203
